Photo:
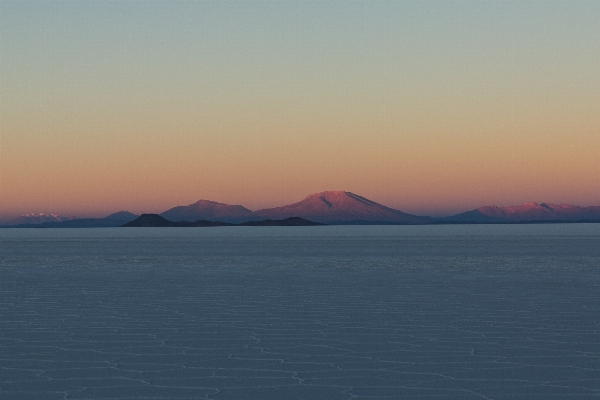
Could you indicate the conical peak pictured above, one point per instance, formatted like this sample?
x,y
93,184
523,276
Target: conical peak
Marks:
x,y
338,206
328,194
330,198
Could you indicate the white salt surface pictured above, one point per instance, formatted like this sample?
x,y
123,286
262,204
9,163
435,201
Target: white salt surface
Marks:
x,y
356,312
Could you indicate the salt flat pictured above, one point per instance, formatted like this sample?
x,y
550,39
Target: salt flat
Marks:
x,y
354,312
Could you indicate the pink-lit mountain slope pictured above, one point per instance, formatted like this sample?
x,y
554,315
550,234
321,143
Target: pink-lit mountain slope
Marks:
x,y
529,212
208,210
340,207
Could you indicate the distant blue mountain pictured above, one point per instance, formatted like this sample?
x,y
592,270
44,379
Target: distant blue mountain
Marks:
x,y
111,221
208,210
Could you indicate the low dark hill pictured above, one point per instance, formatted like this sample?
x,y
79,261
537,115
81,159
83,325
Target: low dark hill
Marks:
x,y
291,221
156,221
149,220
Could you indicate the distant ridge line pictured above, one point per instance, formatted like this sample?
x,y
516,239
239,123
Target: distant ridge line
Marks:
x,y
329,207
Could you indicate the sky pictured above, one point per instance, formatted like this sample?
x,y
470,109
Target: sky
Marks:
x,y
430,107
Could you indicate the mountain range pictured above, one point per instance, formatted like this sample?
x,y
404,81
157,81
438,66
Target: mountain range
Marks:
x,y
326,207
332,207
527,213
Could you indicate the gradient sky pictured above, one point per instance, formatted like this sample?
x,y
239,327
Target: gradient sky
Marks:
x,y
429,107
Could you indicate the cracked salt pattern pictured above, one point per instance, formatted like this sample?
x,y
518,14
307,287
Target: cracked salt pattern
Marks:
x,y
357,312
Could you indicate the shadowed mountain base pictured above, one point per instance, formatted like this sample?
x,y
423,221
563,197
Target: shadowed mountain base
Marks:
x,y
156,221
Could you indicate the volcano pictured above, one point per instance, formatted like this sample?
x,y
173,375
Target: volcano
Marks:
x,y
340,207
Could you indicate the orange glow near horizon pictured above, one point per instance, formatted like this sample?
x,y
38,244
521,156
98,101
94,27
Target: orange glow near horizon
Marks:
x,y
422,174
430,109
